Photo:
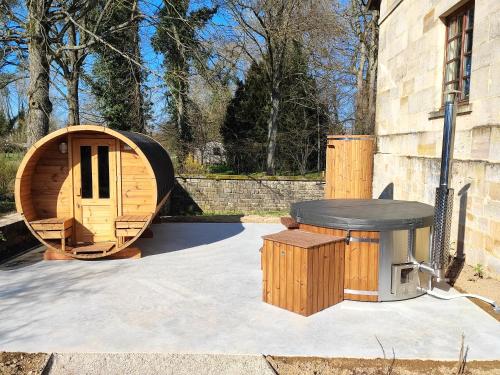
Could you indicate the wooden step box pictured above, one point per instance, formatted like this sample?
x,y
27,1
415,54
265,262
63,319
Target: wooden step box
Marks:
x,y
303,272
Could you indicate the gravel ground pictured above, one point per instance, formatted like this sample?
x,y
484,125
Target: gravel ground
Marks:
x,y
156,364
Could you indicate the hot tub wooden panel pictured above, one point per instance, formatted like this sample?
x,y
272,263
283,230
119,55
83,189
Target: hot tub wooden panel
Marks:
x,y
361,262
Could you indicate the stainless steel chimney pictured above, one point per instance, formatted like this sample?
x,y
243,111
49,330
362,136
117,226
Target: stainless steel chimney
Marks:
x,y
440,248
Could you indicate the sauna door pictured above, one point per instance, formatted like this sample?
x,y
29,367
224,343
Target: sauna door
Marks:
x,y
94,181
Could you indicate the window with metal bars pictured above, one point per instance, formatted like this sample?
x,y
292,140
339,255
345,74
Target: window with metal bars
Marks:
x,y
458,60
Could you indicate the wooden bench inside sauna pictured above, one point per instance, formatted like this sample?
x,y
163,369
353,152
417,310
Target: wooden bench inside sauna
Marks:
x,y
89,192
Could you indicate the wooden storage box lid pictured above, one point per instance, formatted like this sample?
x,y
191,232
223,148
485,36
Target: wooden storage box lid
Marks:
x,y
301,238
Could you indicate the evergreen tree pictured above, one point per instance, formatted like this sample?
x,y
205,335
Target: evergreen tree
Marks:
x,y
244,131
303,117
4,124
117,81
177,39
301,123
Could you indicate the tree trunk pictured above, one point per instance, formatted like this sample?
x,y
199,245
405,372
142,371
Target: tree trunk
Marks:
x,y
72,98
272,130
183,89
39,105
360,93
373,63
138,99
73,81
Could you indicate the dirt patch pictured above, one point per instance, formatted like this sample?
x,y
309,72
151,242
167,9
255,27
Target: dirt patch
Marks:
x,y
22,363
352,366
488,286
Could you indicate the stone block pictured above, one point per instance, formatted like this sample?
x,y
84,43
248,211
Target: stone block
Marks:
x,y
428,21
494,191
480,148
494,19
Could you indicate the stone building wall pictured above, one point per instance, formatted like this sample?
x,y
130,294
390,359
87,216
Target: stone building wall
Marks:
x,y
409,121
201,194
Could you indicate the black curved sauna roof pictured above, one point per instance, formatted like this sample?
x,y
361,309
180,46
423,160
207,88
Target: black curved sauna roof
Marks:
x,y
158,159
363,214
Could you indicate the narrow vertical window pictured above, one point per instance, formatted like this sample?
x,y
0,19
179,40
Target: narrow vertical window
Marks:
x,y
86,171
103,166
457,72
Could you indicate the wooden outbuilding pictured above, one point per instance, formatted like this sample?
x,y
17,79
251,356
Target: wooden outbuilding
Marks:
x,y
349,166
89,191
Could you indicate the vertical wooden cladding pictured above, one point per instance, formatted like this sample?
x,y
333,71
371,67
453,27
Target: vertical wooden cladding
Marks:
x,y
51,185
302,280
138,191
361,262
349,166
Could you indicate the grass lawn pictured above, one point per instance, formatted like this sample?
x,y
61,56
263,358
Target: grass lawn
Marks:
x,y
9,162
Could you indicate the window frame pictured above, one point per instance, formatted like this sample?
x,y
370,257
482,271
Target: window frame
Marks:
x,y
463,13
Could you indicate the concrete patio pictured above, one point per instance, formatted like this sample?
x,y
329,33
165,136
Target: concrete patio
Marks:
x,y
198,290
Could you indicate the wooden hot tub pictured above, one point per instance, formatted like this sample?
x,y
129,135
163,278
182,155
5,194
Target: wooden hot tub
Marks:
x,y
384,238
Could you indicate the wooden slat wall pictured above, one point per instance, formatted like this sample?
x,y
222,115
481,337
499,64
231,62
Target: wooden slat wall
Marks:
x,y
138,193
349,168
361,262
51,183
304,281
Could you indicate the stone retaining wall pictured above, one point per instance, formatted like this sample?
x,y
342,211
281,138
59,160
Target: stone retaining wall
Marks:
x,y
15,236
201,194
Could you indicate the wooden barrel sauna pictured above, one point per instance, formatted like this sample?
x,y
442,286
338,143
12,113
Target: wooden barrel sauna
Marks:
x,y
89,191
378,236
349,166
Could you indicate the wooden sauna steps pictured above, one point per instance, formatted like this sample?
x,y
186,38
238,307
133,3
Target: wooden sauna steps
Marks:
x,y
127,253
98,248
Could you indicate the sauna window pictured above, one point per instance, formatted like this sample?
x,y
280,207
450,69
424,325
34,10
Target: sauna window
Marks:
x,y
458,61
86,171
103,170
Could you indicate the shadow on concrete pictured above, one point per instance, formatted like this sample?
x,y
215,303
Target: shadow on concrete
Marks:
x,y
203,219
458,261
170,237
388,192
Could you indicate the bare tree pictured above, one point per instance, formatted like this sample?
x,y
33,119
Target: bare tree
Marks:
x,y
76,28
265,32
364,25
267,29
39,105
